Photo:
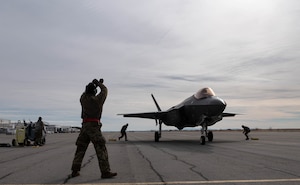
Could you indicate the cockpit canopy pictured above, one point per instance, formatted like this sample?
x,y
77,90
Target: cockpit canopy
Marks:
x,y
204,93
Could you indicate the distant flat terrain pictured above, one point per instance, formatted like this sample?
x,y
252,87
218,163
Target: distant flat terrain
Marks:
x,y
273,157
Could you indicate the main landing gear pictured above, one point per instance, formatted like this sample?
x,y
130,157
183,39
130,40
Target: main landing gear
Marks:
x,y
204,134
157,134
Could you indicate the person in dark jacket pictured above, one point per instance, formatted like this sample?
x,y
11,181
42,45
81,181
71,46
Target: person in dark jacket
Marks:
x,y
92,105
39,128
123,132
246,131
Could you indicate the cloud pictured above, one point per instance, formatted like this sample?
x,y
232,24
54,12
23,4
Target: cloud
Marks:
x,y
247,52
198,78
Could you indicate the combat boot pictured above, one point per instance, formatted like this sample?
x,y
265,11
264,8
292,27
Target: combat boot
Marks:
x,y
108,175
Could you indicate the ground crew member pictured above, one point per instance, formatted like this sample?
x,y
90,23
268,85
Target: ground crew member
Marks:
x,y
123,132
92,105
38,132
246,131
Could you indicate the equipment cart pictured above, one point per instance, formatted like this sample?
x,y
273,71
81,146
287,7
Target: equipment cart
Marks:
x,y
25,135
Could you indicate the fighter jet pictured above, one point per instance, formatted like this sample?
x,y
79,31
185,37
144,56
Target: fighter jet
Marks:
x,y
201,109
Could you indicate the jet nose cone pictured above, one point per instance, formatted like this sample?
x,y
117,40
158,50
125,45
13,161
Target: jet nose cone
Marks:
x,y
218,105
219,101
223,102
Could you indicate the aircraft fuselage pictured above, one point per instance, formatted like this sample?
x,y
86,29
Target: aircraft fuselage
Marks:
x,y
194,112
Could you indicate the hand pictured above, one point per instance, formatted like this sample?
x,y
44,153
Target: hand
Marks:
x,y
96,82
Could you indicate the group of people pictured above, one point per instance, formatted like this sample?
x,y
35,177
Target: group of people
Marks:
x,y
34,131
92,106
246,131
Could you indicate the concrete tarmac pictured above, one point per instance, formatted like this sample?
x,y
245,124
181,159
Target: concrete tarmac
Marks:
x,y
178,158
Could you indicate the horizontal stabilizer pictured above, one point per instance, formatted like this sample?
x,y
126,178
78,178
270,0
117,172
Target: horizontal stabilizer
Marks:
x,y
149,115
228,114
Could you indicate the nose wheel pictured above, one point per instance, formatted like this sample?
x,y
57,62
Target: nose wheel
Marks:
x,y
205,134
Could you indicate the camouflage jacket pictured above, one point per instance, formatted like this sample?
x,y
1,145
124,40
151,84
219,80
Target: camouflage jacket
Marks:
x,y
92,105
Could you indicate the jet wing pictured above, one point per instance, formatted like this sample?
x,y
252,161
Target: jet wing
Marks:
x,y
228,114
149,115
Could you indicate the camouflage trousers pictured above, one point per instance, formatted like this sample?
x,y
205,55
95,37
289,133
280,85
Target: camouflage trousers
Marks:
x,y
90,132
38,137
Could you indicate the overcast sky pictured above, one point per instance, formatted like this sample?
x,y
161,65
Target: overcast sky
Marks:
x,y
247,51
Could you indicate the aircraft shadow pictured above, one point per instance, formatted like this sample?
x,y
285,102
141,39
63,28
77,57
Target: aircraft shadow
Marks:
x,y
175,145
179,145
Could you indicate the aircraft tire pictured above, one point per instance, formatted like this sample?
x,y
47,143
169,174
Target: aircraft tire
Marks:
x,y
202,140
156,137
210,136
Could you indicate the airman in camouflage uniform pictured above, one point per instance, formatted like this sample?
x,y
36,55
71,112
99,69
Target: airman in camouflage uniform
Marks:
x,y
92,105
39,128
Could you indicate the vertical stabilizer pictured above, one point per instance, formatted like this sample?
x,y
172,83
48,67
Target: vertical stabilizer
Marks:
x,y
157,134
157,106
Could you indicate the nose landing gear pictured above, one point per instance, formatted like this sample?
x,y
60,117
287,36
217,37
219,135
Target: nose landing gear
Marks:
x,y
205,134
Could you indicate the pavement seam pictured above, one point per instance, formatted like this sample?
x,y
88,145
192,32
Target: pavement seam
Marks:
x,y
91,157
6,175
150,164
192,167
